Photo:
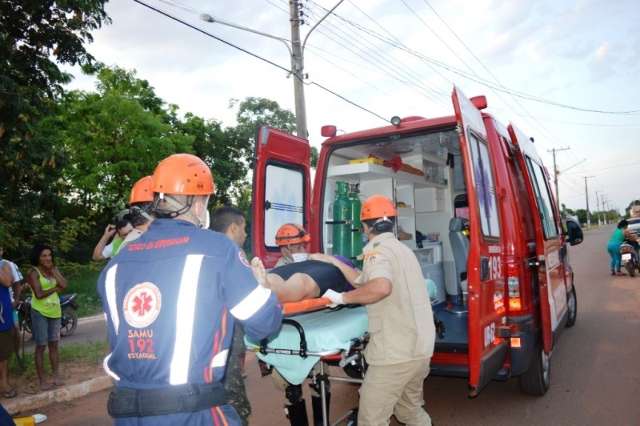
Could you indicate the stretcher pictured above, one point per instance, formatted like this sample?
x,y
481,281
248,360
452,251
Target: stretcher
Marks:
x,y
307,344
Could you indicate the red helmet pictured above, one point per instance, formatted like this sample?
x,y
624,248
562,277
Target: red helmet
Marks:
x,y
183,174
376,207
142,191
290,233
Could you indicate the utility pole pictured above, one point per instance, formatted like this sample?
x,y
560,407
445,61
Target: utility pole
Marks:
x,y
586,194
598,207
297,69
296,52
556,172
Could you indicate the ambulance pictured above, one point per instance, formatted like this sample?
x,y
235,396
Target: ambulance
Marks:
x,y
474,203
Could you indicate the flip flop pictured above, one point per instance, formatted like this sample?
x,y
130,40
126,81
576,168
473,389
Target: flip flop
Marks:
x,y
11,393
47,387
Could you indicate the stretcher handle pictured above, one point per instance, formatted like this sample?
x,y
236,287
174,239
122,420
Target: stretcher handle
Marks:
x,y
303,340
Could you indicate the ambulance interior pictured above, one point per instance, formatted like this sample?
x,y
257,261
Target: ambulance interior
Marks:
x,y
423,174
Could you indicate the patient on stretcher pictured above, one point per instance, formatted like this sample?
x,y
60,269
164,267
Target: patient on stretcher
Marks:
x,y
301,280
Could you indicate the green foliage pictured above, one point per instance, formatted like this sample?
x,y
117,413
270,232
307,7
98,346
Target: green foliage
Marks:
x,y
113,137
91,353
222,151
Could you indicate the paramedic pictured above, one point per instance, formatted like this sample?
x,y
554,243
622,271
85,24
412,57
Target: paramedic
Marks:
x,y
231,222
292,240
402,333
167,370
140,202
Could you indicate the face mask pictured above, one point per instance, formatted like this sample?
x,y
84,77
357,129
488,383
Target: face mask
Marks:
x,y
364,237
299,257
204,224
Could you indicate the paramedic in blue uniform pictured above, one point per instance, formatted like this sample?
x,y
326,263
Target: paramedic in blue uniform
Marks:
x,y
171,298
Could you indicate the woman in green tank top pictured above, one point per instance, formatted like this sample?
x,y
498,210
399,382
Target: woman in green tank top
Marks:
x,y
46,282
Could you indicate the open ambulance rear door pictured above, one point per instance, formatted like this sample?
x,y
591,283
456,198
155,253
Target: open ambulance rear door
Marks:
x,y
551,284
486,284
281,189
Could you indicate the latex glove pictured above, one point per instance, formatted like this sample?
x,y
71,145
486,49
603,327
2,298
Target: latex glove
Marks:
x,y
335,297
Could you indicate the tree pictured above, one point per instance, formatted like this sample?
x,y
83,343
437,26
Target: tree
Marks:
x,y
113,137
224,153
34,35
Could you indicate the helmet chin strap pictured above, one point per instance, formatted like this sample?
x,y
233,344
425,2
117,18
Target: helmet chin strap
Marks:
x,y
171,214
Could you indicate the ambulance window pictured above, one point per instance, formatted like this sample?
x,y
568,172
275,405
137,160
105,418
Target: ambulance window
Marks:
x,y
543,197
485,188
284,200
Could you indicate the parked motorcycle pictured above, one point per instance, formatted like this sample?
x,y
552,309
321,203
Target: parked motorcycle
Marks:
x,y
69,319
629,258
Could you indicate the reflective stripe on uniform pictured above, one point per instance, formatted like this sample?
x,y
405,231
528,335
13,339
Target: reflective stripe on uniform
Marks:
x,y
186,306
220,360
110,287
105,365
251,304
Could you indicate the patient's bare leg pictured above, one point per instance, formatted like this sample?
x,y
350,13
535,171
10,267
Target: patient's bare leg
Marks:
x,y
298,287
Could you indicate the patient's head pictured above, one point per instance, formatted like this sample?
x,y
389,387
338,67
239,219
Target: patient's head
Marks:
x,y
231,222
292,240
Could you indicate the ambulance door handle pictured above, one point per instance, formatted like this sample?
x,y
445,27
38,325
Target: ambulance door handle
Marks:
x,y
484,268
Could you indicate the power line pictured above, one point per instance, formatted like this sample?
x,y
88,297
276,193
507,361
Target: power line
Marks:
x,y
480,81
488,70
374,50
377,64
326,89
381,63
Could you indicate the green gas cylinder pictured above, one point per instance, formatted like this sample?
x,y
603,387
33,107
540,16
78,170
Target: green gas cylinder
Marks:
x,y
342,220
356,225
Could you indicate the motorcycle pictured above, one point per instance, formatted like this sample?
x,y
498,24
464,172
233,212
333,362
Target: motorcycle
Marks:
x,y
629,258
68,321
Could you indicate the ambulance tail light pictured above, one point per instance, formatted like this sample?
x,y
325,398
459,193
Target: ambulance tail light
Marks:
x,y
515,302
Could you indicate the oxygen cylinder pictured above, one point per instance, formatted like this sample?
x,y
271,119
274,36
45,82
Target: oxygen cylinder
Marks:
x,y
342,220
356,225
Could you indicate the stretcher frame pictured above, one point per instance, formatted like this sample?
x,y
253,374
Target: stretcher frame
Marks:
x,y
320,379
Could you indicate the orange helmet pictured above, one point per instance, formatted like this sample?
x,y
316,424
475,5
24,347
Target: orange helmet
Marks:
x,y
377,206
183,174
142,191
290,233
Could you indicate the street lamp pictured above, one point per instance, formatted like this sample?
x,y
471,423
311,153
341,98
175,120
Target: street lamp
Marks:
x,y
296,53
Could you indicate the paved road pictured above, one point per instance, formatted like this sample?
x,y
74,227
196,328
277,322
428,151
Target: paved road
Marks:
x,y
595,372
89,329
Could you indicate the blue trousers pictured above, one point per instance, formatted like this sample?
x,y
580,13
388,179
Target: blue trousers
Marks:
x,y
616,258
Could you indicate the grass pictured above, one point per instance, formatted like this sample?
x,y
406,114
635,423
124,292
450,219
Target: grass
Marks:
x,y
80,353
82,280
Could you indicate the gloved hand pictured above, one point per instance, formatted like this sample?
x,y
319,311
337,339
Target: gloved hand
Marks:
x,y
335,297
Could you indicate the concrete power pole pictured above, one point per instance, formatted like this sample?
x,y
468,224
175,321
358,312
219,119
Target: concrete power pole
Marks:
x,y
297,69
586,194
556,172
598,208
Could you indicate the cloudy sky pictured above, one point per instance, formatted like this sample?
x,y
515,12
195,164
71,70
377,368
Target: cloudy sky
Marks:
x,y
402,57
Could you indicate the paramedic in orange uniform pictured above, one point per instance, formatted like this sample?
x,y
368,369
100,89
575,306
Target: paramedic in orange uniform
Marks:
x,y
402,333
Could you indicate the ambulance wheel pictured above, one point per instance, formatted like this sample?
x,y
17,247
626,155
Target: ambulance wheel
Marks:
x,y
535,381
572,306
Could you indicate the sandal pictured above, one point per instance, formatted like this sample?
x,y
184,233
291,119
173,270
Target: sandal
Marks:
x,y
46,386
11,393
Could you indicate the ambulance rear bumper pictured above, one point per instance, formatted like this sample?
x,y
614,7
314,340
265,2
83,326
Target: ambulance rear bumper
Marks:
x,y
528,334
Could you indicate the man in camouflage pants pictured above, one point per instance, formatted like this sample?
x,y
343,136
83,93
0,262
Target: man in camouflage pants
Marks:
x,y
231,222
